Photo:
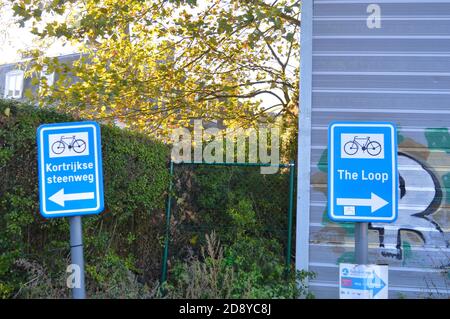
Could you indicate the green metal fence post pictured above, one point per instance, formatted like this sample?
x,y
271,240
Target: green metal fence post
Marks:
x,y
291,206
166,242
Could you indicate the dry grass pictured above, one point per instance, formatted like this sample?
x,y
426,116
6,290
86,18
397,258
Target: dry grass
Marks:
x,y
206,277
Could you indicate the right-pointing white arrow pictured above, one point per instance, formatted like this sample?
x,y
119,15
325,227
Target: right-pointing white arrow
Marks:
x,y
375,202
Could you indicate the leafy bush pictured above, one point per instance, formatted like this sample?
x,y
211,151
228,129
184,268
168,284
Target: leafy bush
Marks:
x,y
247,213
217,273
223,199
122,245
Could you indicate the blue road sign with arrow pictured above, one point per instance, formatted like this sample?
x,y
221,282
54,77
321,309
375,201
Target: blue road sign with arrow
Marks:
x,y
70,169
362,172
363,281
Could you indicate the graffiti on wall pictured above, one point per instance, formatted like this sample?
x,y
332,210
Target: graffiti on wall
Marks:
x,y
424,205
420,196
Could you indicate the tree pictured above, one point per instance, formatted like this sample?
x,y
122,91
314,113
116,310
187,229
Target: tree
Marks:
x,y
158,64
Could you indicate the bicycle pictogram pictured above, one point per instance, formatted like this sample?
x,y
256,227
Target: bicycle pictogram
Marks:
x,y
76,144
363,144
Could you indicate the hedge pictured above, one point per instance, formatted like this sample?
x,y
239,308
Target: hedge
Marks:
x,y
123,245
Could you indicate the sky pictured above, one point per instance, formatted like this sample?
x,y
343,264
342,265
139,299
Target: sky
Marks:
x,y
14,38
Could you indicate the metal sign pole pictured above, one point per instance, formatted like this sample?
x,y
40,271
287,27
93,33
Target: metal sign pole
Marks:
x,y
361,243
76,251
71,153
362,188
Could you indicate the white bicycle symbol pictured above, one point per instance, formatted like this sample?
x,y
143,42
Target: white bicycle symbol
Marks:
x,y
373,148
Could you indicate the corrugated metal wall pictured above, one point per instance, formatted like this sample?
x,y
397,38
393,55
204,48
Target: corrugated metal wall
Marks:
x,y
399,72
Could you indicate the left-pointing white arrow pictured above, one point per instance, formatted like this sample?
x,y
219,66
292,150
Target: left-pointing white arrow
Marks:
x,y
375,202
60,198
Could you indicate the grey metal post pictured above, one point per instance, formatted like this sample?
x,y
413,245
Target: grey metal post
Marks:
x,y
361,243
76,251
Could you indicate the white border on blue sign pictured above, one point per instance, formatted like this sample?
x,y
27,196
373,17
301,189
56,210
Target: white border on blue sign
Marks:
x,y
43,195
331,176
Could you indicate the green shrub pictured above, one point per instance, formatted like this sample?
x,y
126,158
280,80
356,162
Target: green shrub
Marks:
x,y
122,245
222,198
219,272
244,210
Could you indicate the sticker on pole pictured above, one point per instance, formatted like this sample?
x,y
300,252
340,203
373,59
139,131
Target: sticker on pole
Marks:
x,y
362,172
363,281
70,169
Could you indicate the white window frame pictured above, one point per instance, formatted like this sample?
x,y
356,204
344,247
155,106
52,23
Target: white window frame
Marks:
x,y
8,77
